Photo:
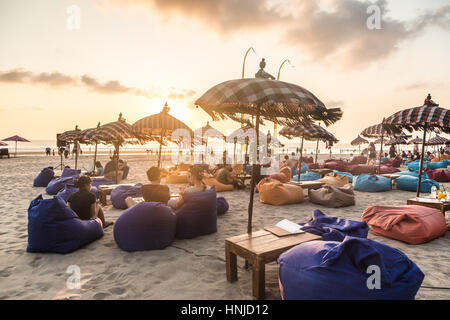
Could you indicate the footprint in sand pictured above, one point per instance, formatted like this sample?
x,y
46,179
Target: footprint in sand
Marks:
x,y
117,290
101,295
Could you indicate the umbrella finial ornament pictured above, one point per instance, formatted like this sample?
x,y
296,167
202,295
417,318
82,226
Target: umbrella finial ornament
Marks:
x,y
430,102
261,73
166,108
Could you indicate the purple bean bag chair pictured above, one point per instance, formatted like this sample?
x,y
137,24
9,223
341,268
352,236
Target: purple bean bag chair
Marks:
x,y
68,172
338,165
70,188
347,270
56,185
358,169
222,205
54,227
96,182
439,175
388,169
146,226
43,178
119,194
198,215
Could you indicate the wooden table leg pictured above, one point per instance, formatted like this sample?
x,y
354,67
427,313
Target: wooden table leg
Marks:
x,y
259,279
231,263
102,197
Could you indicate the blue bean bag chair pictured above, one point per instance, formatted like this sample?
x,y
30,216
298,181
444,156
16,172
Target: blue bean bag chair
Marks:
x,y
413,174
304,168
384,159
54,227
119,194
56,185
372,183
96,182
68,172
408,183
414,166
222,205
331,270
348,174
307,176
145,226
436,165
333,228
198,215
43,178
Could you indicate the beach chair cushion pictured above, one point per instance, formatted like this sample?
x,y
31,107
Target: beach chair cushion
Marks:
x,y
55,227
330,270
334,228
276,193
220,187
56,185
409,183
304,167
388,169
222,205
43,178
279,176
121,192
175,178
68,172
372,183
334,179
183,167
358,169
397,162
348,174
358,160
439,175
411,224
145,226
333,197
126,171
99,181
315,166
198,215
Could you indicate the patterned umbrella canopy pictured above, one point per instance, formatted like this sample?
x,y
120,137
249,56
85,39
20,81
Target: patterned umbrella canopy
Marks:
x,y
207,131
416,140
119,132
71,135
88,135
310,132
3,144
276,101
249,131
437,141
395,141
16,139
374,131
359,141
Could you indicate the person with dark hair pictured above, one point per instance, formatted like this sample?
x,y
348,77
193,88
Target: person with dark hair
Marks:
x,y
109,171
196,176
98,168
392,152
85,204
225,176
153,192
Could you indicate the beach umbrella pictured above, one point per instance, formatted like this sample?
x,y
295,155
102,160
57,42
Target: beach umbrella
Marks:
x,y
376,131
16,139
358,142
3,144
88,136
201,135
277,101
396,141
309,132
72,136
161,125
438,140
416,140
428,117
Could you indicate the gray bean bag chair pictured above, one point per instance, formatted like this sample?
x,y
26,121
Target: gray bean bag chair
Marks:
x,y
333,197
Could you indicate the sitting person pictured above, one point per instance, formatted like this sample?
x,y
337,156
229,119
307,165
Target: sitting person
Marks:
x,y
430,156
109,171
404,155
409,156
153,192
196,185
85,204
98,169
225,176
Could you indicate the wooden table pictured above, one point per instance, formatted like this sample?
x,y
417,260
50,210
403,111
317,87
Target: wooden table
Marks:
x,y
243,177
430,203
259,248
322,172
391,176
308,184
105,190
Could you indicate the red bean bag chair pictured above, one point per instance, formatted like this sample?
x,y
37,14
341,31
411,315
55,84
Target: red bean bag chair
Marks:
x,y
357,169
388,169
387,163
315,166
359,160
411,224
397,162
338,165
439,175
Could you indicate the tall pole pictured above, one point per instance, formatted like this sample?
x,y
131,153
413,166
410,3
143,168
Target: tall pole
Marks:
x,y
160,147
243,76
15,150
300,160
421,160
254,173
275,126
317,149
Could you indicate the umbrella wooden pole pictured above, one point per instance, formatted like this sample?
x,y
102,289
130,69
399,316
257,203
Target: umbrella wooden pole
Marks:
x,y
116,147
254,173
317,149
300,160
381,152
160,147
234,153
15,150
76,154
421,160
95,156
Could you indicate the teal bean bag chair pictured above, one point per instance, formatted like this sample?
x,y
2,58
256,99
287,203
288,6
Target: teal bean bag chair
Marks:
x,y
304,168
436,165
414,166
55,227
408,183
412,174
307,176
372,183
348,174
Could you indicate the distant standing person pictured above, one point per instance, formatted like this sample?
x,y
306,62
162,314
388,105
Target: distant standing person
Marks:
x,y
372,153
47,151
66,153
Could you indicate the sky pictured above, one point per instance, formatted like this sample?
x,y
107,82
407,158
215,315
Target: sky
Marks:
x,y
132,56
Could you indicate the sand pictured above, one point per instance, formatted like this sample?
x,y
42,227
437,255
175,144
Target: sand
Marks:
x,y
188,269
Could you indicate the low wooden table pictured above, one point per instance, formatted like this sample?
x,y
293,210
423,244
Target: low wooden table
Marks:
x,y
259,248
391,176
322,172
243,177
105,190
430,203
308,184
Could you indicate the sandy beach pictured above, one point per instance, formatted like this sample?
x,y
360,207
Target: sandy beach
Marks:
x,y
188,269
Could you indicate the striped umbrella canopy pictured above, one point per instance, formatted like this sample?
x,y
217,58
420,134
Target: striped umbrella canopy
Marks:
x,y
438,140
395,141
358,141
71,135
16,139
374,131
427,117
3,144
249,131
207,131
416,140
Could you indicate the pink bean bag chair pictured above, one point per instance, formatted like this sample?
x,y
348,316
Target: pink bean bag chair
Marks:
x,y
439,175
387,163
357,169
397,162
411,224
359,160
315,166
338,165
388,169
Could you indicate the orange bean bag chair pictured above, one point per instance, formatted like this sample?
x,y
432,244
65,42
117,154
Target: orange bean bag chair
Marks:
x,y
210,181
276,193
287,172
411,224
174,178
334,180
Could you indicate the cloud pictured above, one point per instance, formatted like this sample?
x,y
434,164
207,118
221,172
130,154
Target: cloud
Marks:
x,y
422,85
333,31
58,80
